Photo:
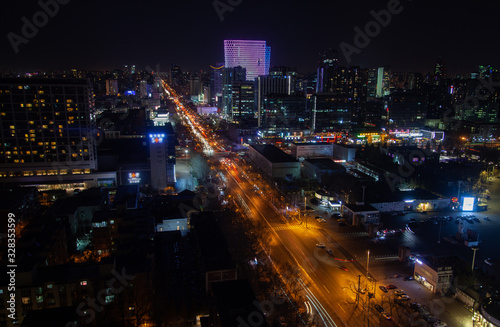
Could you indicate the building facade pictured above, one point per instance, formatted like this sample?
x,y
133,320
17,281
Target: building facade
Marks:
x,y
435,277
48,129
162,141
274,162
253,55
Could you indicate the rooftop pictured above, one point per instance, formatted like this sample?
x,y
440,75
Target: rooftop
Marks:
x,y
213,244
491,307
311,143
325,164
360,207
273,154
234,299
53,317
42,81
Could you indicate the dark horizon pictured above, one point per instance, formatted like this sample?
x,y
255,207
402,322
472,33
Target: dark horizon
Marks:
x,y
106,36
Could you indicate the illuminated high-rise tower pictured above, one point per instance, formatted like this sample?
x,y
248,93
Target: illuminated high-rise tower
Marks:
x,y
162,142
253,55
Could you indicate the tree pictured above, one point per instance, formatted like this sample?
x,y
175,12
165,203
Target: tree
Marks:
x,y
199,167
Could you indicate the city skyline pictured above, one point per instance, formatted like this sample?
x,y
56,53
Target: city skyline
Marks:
x,y
87,36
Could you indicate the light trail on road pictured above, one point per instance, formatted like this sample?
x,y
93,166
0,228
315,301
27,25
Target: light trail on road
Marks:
x,y
325,317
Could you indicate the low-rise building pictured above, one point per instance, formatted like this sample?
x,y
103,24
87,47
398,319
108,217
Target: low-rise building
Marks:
x,y
360,214
319,168
274,162
312,150
489,314
434,274
344,152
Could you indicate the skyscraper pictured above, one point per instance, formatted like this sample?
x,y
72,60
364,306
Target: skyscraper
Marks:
x,y
230,76
439,71
216,85
162,142
253,55
383,81
272,84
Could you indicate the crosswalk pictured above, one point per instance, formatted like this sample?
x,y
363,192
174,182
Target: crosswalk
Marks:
x,y
351,235
292,227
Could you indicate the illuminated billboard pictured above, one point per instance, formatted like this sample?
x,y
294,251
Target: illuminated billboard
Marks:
x,y
134,178
468,203
156,138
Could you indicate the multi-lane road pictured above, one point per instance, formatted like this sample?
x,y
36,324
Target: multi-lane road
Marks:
x,y
329,282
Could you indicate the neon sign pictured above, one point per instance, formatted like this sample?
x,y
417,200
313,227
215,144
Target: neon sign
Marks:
x,y
156,138
134,178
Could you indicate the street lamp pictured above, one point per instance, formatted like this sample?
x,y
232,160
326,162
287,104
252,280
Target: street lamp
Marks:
x,y
367,265
474,256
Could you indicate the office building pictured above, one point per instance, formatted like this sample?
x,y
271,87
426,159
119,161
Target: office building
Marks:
x,y
216,85
238,95
253,55
283,114
331,112
162,142
111,87
271,84
407,109
47,130
439,72
383,82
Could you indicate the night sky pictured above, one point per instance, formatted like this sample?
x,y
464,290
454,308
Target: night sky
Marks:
x,y
108,34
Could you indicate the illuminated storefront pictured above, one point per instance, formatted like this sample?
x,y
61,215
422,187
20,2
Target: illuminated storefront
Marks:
x,y
489,313
436,278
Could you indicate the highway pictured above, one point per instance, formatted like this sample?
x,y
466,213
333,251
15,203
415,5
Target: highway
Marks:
x,y
328,282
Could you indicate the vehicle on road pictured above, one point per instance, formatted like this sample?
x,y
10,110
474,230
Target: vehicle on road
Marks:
x,y
362,290
403,297
391,287
379,308
386,315
320,245
440,323
383,289
399,292
330,252
407,278
415,306
487,218
343,268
